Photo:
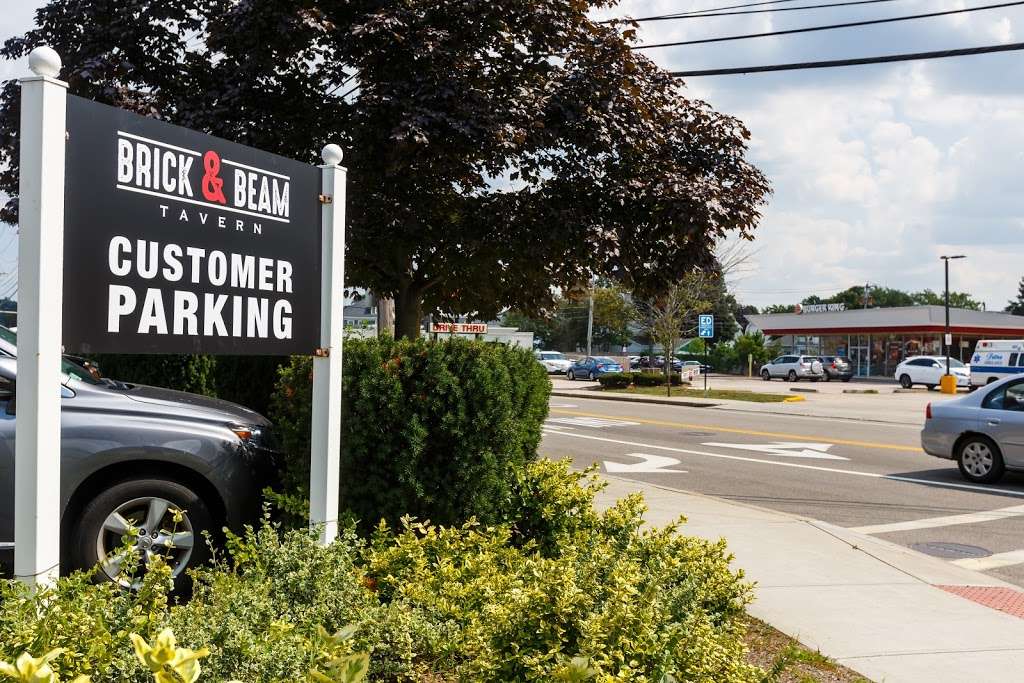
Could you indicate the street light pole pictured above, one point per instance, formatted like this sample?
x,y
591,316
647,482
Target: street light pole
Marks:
x,y
947,337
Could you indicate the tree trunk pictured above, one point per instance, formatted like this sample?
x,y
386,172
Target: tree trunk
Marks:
x,y
386,316
408,314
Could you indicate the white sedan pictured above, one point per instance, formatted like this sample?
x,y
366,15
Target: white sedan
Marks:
x,y
928,370
554,362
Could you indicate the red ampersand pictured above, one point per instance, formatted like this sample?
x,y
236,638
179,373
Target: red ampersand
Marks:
x,y
213,185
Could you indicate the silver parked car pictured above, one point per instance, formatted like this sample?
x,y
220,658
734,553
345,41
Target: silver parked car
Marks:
x,y
131,456
982,431
793,368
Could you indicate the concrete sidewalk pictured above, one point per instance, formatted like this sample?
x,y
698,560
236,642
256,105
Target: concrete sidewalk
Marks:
x,y
883,610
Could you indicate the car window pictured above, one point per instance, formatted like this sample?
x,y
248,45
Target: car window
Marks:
x,y
1013,359
1008,397
6,389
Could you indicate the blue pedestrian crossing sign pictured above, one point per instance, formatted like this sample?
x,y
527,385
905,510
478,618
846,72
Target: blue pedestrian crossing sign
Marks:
x,y
706,326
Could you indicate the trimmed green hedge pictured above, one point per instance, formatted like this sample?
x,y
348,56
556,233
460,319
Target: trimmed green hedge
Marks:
x,y
621,380
436,430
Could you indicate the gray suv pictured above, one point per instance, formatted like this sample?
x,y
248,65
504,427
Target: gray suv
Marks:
x,y
131,456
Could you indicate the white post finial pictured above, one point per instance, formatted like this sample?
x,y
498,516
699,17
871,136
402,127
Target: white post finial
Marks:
x,y
332,155
44,61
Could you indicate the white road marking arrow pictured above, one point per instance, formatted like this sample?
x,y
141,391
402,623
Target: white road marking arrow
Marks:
x,y
651,463
796,449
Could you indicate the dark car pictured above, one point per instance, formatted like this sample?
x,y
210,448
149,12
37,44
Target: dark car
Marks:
x,y
592,367
132,455
836,367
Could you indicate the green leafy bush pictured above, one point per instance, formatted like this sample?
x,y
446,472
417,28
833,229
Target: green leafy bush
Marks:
x,y
648,379
246,380
552,591
436,430
655,379
615,380
192,373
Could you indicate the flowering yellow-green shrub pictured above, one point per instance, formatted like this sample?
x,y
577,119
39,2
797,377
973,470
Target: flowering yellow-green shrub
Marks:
x,y
553,592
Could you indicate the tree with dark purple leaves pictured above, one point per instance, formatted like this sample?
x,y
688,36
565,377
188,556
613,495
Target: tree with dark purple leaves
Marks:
x,y
500,151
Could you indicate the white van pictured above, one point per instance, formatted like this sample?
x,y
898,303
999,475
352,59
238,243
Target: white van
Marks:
x,y
995,359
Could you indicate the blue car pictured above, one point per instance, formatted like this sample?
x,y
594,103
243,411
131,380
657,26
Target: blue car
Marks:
x,y
592,367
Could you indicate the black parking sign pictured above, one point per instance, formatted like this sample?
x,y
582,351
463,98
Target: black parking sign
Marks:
x,y
179,242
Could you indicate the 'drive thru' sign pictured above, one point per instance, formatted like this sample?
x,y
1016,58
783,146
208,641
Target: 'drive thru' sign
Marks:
x,y
179,242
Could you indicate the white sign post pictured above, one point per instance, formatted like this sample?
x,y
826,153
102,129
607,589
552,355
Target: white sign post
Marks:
x,y
325,452
40,282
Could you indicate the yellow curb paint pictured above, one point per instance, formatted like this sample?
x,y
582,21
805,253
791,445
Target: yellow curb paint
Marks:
x,y
794,399
750,432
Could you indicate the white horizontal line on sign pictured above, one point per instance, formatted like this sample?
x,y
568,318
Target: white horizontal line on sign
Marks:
x,y
948,520
199,203
133,136
995,561
253,168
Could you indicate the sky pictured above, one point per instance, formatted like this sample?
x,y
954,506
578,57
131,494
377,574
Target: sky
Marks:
x,y
876,170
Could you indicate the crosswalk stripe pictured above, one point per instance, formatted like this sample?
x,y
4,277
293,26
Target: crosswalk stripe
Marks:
x,y
995,561
948,520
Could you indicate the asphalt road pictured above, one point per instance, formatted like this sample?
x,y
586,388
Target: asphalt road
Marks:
x,y
869,476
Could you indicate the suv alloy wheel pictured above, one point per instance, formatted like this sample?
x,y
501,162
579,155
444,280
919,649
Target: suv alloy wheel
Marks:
x,y
139,513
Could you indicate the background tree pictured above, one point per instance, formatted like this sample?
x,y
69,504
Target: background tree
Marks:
x,y
614,314
481,138
732,356
668,318
1016,306
883,297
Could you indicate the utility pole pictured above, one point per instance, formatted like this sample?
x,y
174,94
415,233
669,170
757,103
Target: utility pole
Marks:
x,y
948,337
867,287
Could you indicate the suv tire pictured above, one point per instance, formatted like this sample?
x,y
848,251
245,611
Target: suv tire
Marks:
x,y
905,381
979,460
766,376
570,375
792,376
139,501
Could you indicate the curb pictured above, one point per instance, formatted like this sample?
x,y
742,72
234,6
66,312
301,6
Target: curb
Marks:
x,y
860,391
803,391
794,399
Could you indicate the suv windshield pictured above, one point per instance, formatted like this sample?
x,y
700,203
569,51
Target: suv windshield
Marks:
x,y
953,363
551,355
68,367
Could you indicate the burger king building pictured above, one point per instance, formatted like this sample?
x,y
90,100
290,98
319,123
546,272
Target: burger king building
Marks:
x,y
876,340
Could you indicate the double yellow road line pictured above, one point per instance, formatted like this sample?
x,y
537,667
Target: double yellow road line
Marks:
x,y
736,430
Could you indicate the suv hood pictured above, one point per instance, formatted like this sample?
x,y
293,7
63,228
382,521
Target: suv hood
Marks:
x,y
180,401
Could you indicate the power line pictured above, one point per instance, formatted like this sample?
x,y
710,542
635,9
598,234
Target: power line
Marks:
x,y
884,59
715,13
722,9
829,27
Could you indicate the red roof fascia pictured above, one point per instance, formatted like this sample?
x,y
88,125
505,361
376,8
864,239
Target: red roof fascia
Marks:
x,y
954,329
